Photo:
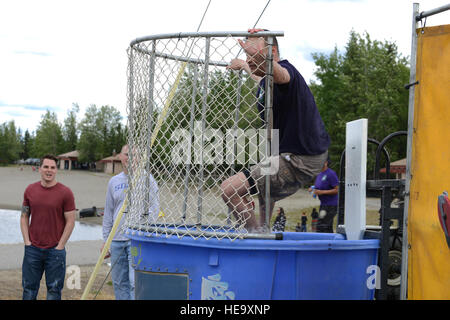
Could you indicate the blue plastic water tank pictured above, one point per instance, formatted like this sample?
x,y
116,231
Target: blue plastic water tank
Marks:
x,y
300,266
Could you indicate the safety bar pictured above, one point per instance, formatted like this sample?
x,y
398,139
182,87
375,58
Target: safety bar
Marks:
x,y
431,12
207,35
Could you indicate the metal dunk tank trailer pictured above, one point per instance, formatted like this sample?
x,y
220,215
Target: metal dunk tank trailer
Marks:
x,y
192,124
426,254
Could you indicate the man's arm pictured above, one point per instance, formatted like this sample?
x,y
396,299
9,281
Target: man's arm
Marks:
x,y
239,64
280,74
108,217
108,213
24,224
328,192
70,224
256,53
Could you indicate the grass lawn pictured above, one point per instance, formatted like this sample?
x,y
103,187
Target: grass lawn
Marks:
x,y
294,216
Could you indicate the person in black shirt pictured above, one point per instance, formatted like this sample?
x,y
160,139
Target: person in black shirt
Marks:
x,y
303,140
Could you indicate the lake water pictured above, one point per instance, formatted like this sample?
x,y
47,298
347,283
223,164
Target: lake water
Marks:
x,y
10,229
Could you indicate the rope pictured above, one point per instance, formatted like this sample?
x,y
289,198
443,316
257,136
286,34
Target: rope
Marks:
x,y
204,14
261,14
257,20
110,269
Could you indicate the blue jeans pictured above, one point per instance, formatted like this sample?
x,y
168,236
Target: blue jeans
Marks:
x,y
122,272
36,261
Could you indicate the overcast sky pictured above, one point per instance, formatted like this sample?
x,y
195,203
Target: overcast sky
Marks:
x,y
56,53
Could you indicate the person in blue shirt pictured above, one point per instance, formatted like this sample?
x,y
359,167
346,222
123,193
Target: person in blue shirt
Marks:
x,y
326,187
303,140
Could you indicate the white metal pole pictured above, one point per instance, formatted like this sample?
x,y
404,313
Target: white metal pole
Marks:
x,y
355,179
412,79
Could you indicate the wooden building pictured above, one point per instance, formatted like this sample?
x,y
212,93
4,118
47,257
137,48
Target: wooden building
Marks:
x,y
398,168
69,160
111,165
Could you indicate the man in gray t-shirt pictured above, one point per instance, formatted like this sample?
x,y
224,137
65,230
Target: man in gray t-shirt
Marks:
x,y
122,273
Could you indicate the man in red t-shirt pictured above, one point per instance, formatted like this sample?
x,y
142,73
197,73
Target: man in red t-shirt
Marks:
x,y
51,206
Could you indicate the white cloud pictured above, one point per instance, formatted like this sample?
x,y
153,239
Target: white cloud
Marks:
x,y
55,53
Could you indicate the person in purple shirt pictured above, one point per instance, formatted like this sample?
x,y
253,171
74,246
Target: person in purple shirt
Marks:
x,y
303,140
326,187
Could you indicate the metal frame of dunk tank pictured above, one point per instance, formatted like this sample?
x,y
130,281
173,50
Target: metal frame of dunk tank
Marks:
x,y
416,18
145,133
201,63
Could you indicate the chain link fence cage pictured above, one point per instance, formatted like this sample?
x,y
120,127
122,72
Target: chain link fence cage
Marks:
x,y
192,124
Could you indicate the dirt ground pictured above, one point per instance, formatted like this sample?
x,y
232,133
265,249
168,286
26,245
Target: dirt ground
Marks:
x,y
89,190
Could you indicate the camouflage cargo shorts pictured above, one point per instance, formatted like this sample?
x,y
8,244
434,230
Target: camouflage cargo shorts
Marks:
x,y
289,173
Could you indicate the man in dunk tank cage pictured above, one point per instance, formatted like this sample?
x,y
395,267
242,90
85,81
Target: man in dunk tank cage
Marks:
x,y
303,140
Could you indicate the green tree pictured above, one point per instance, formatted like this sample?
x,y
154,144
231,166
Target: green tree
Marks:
x,y
49,138
89,140
27,142
117,138
10,146
70,129
366,81
100,133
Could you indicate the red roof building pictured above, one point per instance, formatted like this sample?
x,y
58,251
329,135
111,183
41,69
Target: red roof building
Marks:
x,y
111,165
68,160
398,167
